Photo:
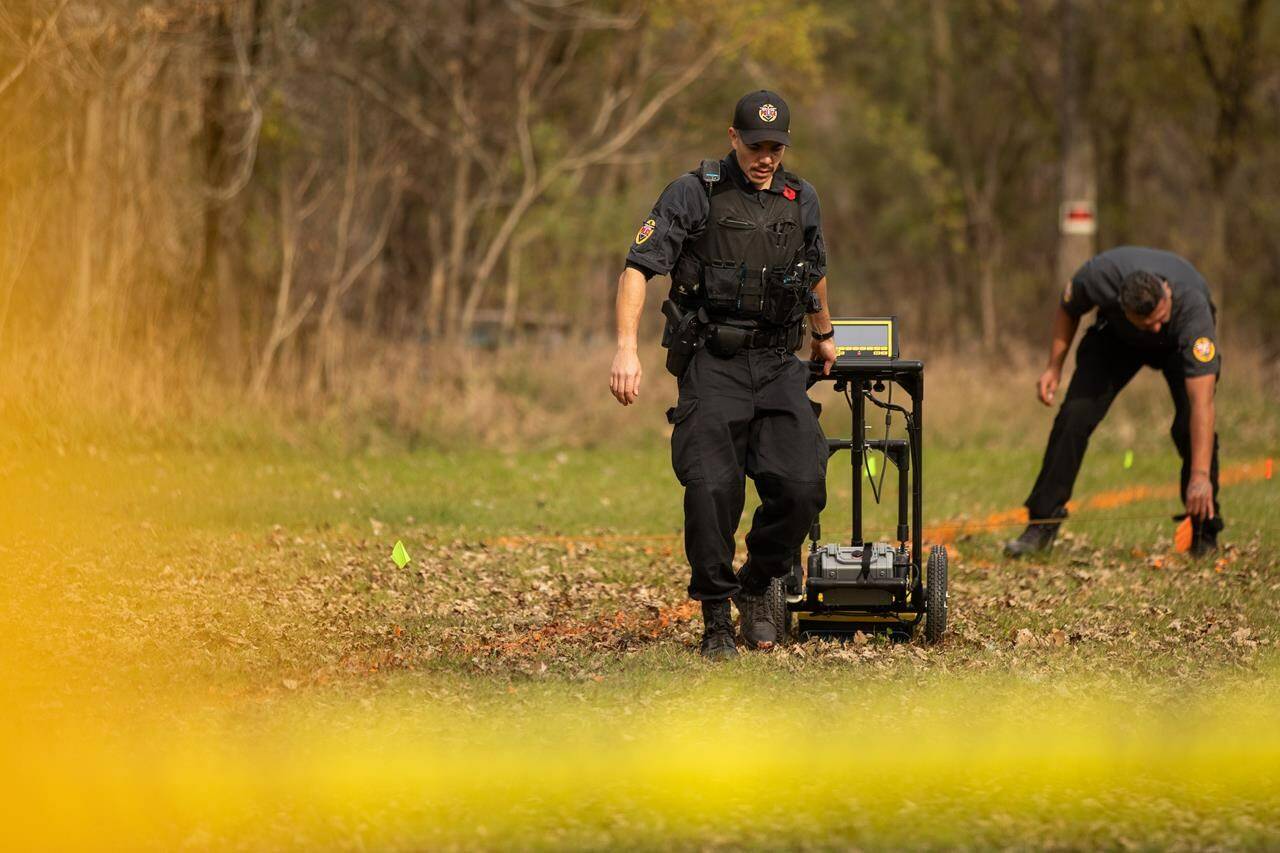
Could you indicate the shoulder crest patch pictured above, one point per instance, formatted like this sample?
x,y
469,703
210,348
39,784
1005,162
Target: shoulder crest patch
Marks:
x,y
646,231
1204,350
1066,294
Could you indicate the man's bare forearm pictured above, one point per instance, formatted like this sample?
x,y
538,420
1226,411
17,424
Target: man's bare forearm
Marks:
x,y
630,304
820,321
1064,331
1203,415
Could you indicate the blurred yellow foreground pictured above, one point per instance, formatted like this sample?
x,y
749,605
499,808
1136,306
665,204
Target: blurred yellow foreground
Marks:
x,y
987,764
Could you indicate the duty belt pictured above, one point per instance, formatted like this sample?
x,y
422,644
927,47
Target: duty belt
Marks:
x,y
764,338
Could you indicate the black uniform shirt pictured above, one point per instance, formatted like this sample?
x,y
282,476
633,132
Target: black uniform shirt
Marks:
x,y
681,212
1190,330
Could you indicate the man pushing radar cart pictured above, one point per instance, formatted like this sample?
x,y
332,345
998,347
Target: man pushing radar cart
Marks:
x,y
741,238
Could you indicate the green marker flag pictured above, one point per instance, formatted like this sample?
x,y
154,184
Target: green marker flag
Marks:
x,y
400,555
1128,459
871,465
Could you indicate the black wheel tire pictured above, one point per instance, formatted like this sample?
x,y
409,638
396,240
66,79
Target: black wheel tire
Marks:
x,y
935,619
777,598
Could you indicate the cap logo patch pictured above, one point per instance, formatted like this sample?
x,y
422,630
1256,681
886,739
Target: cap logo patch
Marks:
x,y
646,231
768,112
1204,350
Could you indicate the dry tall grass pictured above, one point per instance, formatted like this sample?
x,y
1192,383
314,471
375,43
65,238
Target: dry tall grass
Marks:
x,y
527,395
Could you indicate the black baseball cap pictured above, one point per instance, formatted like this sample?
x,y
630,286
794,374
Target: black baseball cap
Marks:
x,y
762,116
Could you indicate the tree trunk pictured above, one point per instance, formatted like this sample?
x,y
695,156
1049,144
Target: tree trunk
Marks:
x,y
284,320
88,186
942,58
455,267
1217,254
214,132
326,345
1233,82
1079,169
511,294
1113,210
989,252
369,307
437,279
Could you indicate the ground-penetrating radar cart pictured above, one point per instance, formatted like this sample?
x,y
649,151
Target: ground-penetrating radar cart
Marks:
x,y
870,586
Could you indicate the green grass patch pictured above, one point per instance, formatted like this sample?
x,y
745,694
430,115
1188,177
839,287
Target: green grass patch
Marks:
x,y
209,645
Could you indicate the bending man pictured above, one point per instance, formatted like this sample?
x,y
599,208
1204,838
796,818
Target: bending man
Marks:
x,y
1154,310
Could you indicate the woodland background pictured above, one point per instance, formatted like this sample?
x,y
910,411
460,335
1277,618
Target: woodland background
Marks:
x,y
323,203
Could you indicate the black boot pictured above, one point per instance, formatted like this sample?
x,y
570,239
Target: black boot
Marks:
x,y
1038,536
717,634
1204,536
756,616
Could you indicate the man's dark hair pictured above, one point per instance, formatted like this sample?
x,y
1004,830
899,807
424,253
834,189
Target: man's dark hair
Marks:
x,y
1140,293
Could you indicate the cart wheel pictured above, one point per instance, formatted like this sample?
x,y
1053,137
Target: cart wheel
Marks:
x,y
777,598
935,619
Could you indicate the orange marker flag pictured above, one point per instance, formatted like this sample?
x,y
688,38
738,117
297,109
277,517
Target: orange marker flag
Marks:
x,y
1182,536
1268,469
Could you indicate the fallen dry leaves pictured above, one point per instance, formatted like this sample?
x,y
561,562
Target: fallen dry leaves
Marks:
x,y
298,608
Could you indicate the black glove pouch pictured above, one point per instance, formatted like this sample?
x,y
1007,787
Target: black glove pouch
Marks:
x,y
725,341
722,284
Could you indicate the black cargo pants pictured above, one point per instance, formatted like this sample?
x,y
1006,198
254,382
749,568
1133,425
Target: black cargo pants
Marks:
x,y
1104,365
747,415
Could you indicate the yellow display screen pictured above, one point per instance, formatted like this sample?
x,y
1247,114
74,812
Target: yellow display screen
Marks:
x,y
865,337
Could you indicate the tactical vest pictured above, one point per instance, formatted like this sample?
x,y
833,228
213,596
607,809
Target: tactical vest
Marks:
x,y
747,266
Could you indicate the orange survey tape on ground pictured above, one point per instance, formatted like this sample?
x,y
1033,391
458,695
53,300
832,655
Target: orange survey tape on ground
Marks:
x,y
656,621
1095,506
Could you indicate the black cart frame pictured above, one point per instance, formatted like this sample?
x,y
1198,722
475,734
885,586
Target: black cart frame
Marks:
x,y
858,378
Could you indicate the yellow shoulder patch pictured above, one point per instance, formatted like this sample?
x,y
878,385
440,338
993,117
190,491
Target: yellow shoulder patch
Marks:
x,y
1066,294
646,231
1204,350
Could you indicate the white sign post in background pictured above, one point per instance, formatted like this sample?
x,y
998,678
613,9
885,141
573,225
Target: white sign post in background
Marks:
x,y
1078,217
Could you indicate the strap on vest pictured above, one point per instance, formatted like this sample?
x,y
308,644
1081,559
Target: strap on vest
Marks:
x,y
710,173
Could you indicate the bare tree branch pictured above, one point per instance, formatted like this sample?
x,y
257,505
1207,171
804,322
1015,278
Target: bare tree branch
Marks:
x,y
602,151
410,111
379,241
575,18
1203,53
248,144
285,322
48,26
646,113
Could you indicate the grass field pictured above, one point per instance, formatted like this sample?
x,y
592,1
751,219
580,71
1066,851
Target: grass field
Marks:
x,y
206,644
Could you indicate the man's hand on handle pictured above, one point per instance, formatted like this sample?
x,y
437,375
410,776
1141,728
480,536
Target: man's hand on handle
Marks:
x,y
624,378
1047,385
824,353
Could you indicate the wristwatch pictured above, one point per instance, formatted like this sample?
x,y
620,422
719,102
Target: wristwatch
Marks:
x,y
823,336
